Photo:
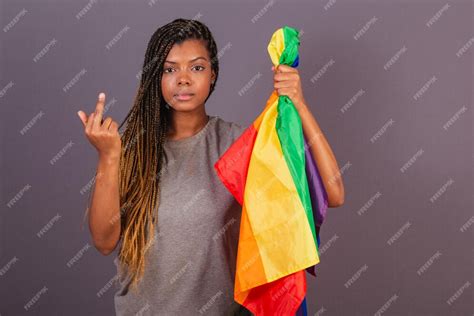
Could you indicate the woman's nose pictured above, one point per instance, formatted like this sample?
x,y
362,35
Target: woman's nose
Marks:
x,y
183,79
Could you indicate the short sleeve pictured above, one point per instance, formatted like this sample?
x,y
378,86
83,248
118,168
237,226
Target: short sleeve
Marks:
x,y
236,130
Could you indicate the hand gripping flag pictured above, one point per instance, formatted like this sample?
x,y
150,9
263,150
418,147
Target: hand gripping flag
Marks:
x,y
271,173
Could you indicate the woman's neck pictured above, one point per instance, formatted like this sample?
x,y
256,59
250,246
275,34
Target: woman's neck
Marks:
x,y
185,124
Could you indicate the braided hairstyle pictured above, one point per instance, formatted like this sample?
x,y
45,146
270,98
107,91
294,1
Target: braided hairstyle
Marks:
x,y
142,150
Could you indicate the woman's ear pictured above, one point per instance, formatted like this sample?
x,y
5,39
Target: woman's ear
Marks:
x,y
213,77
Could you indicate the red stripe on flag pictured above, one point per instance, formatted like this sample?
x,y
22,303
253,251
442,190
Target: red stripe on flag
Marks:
x,y
280,297
233,165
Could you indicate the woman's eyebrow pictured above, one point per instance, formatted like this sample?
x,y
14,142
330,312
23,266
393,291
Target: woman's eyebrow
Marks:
x,y
192,60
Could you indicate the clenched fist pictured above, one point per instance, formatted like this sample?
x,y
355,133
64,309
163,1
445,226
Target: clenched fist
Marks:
x,y
102,134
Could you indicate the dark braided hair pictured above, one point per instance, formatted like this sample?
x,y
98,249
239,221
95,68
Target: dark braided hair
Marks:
x,y
142,153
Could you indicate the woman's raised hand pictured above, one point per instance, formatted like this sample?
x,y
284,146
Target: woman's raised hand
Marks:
x,y
102,134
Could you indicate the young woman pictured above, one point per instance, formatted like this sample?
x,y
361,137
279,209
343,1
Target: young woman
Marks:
x,y
156,192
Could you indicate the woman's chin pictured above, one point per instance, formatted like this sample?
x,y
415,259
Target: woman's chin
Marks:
x,y
184,107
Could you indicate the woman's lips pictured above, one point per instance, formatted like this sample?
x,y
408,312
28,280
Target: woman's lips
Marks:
x,y
184,97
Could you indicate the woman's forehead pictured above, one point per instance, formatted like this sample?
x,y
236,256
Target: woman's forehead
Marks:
x,y
188,51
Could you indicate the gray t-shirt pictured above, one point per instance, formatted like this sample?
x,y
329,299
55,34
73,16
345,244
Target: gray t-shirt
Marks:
x,y
190,268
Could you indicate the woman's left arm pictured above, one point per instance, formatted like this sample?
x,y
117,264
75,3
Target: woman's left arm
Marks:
x,y
287,82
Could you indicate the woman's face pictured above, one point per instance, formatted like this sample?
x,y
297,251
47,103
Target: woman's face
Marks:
x,y
187,76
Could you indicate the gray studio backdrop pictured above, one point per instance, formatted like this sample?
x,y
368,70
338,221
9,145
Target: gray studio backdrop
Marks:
x,y
390,83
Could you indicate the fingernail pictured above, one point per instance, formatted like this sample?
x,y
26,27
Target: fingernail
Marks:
x,y
79,114
101,96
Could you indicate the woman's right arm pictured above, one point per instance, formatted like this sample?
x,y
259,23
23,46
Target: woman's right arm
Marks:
x,y
104,212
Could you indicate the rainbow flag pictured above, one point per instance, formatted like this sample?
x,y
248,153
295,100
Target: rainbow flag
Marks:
x,y
270,172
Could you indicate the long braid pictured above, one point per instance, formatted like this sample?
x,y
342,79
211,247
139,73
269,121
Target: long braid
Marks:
x,y
143,139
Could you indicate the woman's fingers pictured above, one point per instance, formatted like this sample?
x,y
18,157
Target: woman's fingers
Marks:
x,y
106,123
95,122
113,127
83,117
99,110
101,132
89,123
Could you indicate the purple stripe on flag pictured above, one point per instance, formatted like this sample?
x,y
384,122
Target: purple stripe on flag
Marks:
x,y
319,199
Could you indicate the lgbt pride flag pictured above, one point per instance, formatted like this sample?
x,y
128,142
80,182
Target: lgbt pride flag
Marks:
x,y
271,173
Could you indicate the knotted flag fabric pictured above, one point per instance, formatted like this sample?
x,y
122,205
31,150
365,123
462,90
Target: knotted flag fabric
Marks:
x,y
271,173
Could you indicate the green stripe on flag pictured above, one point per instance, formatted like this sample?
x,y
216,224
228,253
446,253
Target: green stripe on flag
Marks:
x,y
292,42
290,134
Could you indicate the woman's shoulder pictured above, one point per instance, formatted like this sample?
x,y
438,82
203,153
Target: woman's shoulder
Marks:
x,y
229,128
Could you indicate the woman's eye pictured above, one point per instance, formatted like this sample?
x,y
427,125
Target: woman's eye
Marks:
x,y
168,70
